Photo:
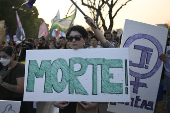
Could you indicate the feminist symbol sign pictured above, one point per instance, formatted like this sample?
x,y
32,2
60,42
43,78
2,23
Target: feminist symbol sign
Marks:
x,y
144,60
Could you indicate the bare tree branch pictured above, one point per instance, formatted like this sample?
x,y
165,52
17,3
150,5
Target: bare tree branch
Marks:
x,y
120,8
97,9
88,5
115,3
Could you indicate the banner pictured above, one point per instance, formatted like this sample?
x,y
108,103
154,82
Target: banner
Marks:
x,y
42,30
9,106
63,24
20,26
145,43
82,75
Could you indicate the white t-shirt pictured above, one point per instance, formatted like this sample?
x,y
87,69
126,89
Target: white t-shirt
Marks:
x,y
93,47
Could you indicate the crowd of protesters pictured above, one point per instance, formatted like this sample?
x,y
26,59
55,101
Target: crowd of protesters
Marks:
x,y
13,61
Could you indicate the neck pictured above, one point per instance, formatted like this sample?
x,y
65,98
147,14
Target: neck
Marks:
x,y
94,46
12,64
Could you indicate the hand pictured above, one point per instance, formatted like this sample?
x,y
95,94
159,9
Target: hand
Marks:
x,y
88,105
61,104
163,57
88,20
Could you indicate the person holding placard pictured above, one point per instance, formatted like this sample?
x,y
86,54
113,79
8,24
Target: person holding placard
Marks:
x,y
12,77
77,36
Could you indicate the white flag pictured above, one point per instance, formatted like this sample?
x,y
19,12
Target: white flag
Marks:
x,y
56,17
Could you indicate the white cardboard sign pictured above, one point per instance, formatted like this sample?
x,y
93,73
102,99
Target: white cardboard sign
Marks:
x,y
9,106
96,75
146,43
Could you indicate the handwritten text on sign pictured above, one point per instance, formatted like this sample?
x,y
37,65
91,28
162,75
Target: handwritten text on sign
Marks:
x,y
100,84
7,106
145,43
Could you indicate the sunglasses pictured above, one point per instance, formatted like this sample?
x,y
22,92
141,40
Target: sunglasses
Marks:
x,y
76,37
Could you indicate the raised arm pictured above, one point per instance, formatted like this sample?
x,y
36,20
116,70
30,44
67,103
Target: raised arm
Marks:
x,y
97,32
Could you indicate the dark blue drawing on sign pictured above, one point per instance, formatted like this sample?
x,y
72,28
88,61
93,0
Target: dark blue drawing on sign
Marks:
x,y
145,59
8,109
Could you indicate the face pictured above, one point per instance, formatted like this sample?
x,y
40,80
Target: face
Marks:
x,y
62,42
108,36
115,35
68,45
89,36
40,41
94,42
76,44
4,56
51,45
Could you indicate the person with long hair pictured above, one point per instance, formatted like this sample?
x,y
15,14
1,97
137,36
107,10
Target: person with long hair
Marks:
x,y
11,77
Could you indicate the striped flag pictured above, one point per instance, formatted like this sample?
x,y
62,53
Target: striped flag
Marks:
x,y
20,27
63,24
18,34
29,4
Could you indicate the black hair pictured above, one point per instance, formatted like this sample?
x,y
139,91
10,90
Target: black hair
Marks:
x,y
114,32
43,39
94,37
30,40
90,32
26,46
9,50
62,38
78,28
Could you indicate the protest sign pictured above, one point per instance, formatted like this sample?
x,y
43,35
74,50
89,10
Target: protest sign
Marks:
x,y
96,75
9,106
145,43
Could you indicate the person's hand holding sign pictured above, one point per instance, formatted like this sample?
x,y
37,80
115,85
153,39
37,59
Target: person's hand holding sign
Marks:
x,y
61,104
88,105
163,57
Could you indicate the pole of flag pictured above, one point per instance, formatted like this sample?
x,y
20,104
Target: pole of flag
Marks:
x,y
82,12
